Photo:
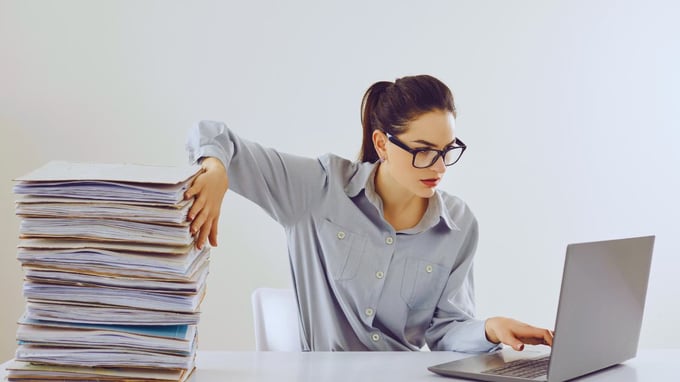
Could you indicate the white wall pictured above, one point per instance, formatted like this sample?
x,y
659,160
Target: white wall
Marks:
x,y
567,108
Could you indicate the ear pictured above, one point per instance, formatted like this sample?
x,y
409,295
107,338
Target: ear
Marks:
x,y
380,144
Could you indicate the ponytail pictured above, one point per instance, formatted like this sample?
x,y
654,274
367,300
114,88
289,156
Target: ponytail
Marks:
x,y
369,120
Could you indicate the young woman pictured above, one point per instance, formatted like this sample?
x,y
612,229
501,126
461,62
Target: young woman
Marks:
x,y
381,259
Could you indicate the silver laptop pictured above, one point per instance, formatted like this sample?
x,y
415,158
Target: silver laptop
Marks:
x,y
604,285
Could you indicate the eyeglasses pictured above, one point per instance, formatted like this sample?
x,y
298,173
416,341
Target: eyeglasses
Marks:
x,y
424,158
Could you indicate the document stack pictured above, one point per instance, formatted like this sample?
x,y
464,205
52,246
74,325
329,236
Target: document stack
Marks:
x,y
113,282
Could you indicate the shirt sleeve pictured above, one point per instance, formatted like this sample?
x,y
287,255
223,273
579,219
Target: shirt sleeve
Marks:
x,y
454,327
284,185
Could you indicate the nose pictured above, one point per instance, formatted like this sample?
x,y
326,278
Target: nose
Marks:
x,y
439,165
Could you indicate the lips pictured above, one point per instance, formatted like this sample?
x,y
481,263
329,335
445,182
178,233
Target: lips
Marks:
x,y
430,182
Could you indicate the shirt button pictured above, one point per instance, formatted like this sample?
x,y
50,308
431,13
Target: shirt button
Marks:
x,y
428,269
369,311
389,240
341,235
375,337
379,274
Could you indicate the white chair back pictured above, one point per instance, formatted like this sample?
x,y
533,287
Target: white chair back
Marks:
x,y
276,321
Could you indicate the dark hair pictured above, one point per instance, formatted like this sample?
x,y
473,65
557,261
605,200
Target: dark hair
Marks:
x,y
389,106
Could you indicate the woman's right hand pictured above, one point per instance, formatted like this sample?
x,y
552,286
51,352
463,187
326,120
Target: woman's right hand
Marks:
x,y
208,188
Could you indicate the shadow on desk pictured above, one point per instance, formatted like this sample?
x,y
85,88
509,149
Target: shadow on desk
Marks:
x,y
620,372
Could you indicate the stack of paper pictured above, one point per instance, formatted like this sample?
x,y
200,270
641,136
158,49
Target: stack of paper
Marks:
x,y
113,281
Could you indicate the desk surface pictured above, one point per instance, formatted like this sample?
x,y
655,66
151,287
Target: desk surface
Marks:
x,y
213,366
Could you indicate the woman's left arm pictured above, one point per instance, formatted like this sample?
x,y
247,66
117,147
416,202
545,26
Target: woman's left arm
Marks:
x,y
454,326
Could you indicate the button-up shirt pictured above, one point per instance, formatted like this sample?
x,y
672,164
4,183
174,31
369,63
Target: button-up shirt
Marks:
x,y
359,283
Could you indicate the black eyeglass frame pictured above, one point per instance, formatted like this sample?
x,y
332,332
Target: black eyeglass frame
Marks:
x,y
440,153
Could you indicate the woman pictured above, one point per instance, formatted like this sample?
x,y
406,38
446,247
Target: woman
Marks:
x,y
381,259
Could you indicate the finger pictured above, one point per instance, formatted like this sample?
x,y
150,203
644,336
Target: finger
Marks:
x,y
196,208
198,244
203,234
513,341
517,344
194,189
198,217
537,337
548,337
213,232
198,222
188,194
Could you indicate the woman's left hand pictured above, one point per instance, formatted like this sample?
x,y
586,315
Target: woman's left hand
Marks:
x,y
515,333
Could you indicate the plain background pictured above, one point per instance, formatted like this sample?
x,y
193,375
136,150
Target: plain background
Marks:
x,y
569,109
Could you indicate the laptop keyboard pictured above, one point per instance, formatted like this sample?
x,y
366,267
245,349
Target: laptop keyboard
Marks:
x,y
523,368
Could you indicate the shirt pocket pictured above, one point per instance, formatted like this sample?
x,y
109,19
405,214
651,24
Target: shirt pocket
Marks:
x,y
342,250
422,283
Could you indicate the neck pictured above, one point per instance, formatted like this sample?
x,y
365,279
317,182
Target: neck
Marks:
x,y
401,208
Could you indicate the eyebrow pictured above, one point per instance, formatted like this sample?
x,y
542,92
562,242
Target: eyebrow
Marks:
x,y
430,144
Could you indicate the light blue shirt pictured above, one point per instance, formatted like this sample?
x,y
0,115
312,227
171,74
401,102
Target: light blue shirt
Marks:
x,y
360,284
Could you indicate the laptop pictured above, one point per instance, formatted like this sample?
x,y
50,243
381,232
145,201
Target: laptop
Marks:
x,y
602,298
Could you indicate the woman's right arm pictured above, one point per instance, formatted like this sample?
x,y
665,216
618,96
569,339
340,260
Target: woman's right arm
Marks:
x,y
285,186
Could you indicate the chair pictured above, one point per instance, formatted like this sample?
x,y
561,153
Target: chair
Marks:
x,y
275,315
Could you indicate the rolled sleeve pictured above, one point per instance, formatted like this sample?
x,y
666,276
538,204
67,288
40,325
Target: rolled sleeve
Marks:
x,y
209,139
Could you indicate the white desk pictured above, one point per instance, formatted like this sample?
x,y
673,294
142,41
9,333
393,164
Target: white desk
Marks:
x,y
214,366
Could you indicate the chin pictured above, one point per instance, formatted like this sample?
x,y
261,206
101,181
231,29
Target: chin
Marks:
x,y
425,192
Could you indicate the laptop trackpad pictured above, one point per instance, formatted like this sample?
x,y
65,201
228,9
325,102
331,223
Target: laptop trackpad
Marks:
x,y
471,367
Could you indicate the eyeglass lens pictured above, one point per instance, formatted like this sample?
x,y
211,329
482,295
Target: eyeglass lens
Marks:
x,y
427,158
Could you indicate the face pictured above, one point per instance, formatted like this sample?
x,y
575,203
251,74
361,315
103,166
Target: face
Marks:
x,y
432,130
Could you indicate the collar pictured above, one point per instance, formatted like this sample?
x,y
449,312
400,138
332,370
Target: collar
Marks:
x,y
364,179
